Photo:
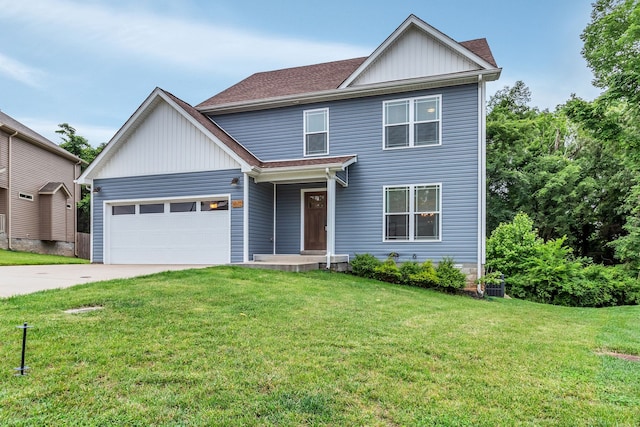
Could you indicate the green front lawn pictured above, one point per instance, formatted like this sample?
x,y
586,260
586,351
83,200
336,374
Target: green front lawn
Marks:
x,y
234,346
28,258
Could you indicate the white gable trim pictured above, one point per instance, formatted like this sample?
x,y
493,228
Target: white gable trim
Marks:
x,y
120,138
413,20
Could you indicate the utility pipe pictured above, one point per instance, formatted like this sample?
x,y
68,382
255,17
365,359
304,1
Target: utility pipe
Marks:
x,y
9,204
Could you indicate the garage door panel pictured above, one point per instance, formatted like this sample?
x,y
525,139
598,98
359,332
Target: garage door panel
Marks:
x,y
169,238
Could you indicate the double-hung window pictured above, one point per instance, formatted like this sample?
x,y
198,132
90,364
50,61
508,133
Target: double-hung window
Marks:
x,y
412,212
412,122
316,132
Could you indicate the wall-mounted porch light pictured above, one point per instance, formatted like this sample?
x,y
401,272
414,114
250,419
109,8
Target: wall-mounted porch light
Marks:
x,y
235,181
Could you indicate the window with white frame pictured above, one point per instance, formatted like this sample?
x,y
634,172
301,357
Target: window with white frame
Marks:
x,y
412,212
412,122
316,132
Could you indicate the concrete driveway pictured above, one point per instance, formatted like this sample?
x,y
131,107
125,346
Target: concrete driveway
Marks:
x,y
25,279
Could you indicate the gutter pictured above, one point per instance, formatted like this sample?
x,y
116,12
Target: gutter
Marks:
x,y
466,77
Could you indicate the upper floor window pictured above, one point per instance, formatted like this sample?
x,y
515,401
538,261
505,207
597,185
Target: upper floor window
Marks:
x,y
316,132
412,122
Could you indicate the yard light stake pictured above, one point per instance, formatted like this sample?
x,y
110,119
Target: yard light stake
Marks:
x,y
23,368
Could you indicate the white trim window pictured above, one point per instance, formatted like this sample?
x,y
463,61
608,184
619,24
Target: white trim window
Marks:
x,y
412,213
25,196
412,122
316,132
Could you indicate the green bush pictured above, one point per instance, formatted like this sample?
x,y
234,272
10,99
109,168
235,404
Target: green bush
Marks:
x,y
547,271
388,271
364,265
510,244
408,269
425,277
449,277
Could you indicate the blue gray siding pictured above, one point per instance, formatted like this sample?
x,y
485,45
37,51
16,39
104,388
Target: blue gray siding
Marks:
x,y
260,218
288,218
356,128
161,186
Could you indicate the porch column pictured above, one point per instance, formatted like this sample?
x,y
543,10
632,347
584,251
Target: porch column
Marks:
x,y
331,217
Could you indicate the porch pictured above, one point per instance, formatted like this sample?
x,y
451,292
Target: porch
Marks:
x,y
297,263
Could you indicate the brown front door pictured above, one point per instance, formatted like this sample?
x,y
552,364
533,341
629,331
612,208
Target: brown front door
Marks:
x,y
315,221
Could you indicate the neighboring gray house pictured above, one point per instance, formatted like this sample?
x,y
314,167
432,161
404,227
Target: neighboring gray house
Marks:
x,y
37,191
382,154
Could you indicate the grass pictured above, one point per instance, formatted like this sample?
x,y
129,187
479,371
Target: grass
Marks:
x,y
233,346
28,258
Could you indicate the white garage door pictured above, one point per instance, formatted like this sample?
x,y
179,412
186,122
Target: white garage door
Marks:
x,y
176,232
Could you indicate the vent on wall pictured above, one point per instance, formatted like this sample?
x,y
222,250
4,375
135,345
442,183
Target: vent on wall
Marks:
x,y
25,196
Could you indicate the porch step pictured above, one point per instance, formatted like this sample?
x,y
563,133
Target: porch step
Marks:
x,y
297,267
295,258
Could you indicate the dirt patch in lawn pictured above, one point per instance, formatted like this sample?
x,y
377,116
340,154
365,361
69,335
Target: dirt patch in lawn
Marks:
x,y
83,309
629,357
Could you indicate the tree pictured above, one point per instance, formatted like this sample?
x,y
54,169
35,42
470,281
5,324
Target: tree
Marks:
x,y
612,48
79,146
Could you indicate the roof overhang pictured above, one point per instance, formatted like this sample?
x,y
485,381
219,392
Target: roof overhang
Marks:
x,y
52,188
50,147
138,117
302,171
385,88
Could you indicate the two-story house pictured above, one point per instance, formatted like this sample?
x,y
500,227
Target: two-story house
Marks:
x,y
382,154
37,191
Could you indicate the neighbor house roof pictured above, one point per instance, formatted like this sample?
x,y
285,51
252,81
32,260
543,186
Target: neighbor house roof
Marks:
x,y
53,188
10,125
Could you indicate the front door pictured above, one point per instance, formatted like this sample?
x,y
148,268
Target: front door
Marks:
x,y
315,221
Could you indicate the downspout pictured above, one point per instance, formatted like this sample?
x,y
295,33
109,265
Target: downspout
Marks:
x,y
9,204
481,182
75,208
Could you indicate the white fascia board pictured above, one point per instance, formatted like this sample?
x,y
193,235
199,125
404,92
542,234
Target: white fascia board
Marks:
x,y
140,114
413,20
88,175
393,87
296,174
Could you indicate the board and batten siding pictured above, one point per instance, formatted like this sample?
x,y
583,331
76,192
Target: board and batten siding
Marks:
x,y
414,54
165,142
260,218
168,186
355,127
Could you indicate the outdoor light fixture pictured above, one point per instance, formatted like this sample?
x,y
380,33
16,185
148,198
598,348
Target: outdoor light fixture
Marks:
x,y
97,189
235,181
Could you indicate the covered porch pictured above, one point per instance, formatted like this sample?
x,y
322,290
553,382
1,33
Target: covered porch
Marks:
x,y
303,213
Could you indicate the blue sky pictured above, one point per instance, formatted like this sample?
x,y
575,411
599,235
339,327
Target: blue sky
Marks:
x,y
91,63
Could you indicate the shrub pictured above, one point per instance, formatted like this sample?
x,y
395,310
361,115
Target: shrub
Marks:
x,y
408,269
547,271
364,265
425,277
449,277
510,244
388,271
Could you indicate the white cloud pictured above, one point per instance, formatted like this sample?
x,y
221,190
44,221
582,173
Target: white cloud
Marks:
x,y
145,35
20,72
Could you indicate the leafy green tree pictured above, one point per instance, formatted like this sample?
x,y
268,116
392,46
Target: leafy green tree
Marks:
x,y
79,146
612,48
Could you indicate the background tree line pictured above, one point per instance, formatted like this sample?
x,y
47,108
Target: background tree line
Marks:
x,y
576,171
